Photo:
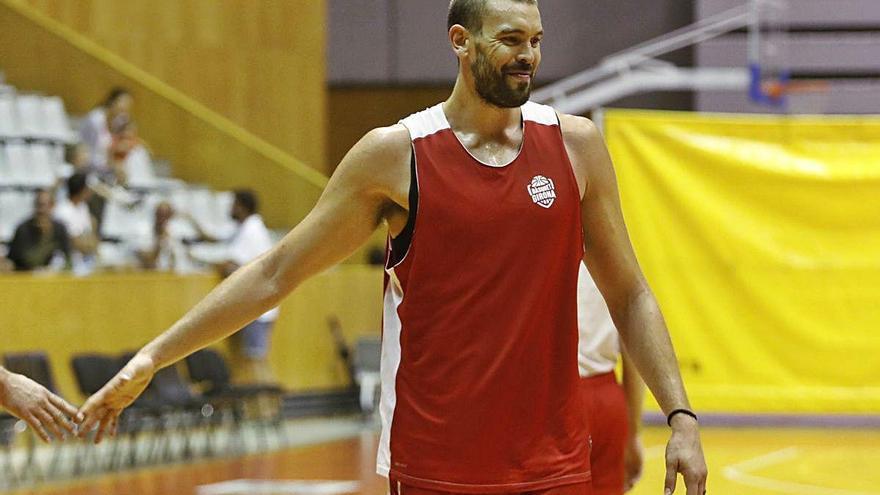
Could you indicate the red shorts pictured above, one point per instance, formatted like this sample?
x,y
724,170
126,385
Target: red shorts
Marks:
x,y
605,405
575,489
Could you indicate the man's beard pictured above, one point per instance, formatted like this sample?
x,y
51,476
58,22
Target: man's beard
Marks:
x,y
492,86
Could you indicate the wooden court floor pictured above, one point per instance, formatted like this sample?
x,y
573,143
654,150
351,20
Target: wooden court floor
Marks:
x,y
753,461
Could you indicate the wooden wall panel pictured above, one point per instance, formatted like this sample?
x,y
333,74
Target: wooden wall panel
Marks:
x,y
66,315
260,64
201,144
353,111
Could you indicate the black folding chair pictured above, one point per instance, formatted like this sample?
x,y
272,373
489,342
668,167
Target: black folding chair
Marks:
x,y
208,369
151,416
92,371
193,410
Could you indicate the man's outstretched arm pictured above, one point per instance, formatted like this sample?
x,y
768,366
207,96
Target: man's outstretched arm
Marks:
x,y
42,410
347,213
612,263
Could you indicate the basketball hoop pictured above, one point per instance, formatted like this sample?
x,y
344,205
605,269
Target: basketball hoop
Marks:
x,y
772,83
780,89
768,52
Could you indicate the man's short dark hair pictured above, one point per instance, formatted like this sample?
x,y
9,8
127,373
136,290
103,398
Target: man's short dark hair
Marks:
x,y
247,199
469,13
76,184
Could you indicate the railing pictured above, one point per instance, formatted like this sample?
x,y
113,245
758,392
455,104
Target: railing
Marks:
x,y
637,69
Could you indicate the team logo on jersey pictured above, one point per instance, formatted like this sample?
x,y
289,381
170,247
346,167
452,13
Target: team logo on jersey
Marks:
x,y
542,191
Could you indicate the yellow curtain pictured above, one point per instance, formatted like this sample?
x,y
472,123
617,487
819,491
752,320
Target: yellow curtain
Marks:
x,y
760,236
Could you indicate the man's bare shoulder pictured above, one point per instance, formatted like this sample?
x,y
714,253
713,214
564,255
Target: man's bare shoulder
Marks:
x,y
578,131
378,164
382,155
584,144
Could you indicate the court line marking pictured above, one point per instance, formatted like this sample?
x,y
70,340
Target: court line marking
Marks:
x,y
279,487
739,473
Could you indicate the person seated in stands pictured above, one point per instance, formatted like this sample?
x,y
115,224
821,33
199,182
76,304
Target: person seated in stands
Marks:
x,y
41,241
165,251
81,226
104,186
130,161
77,157
95,127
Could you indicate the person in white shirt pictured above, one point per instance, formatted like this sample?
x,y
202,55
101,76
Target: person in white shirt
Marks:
x,y
130,160
250,345
95,127
80,224
613,410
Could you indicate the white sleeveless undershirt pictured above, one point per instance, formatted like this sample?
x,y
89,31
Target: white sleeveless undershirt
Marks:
x,y
598,342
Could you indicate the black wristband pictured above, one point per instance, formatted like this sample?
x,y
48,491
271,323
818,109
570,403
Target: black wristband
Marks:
x,y
686,412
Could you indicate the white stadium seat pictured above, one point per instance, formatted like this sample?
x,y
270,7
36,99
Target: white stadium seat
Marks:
x,y
40,171
57,121
5,168
18,157
8,117
15,207
223,223
31,119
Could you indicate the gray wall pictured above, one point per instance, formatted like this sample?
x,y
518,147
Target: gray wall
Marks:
x,y
834,40
403,42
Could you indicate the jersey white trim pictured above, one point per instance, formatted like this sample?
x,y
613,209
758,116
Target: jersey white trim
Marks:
x,y
391,330
540,114
429,121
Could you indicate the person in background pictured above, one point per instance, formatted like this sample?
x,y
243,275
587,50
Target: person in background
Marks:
x,y
613,410
75,215
40,241
95,127
165,250
250,346
77,155
130,160
44,411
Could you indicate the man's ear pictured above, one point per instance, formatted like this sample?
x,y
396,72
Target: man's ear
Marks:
x,y
460,39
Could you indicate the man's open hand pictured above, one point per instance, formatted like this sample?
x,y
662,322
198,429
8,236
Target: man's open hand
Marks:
x,y
44,411
104,407
684,454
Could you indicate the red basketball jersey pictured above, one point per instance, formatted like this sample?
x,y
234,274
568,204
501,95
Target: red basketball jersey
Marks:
x,y
479,353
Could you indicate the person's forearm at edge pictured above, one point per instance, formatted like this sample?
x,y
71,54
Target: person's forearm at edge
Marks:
x,y
646,339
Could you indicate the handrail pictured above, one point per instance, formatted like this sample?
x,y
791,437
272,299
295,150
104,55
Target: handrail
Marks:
x,y
642,55
173,95
735,18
